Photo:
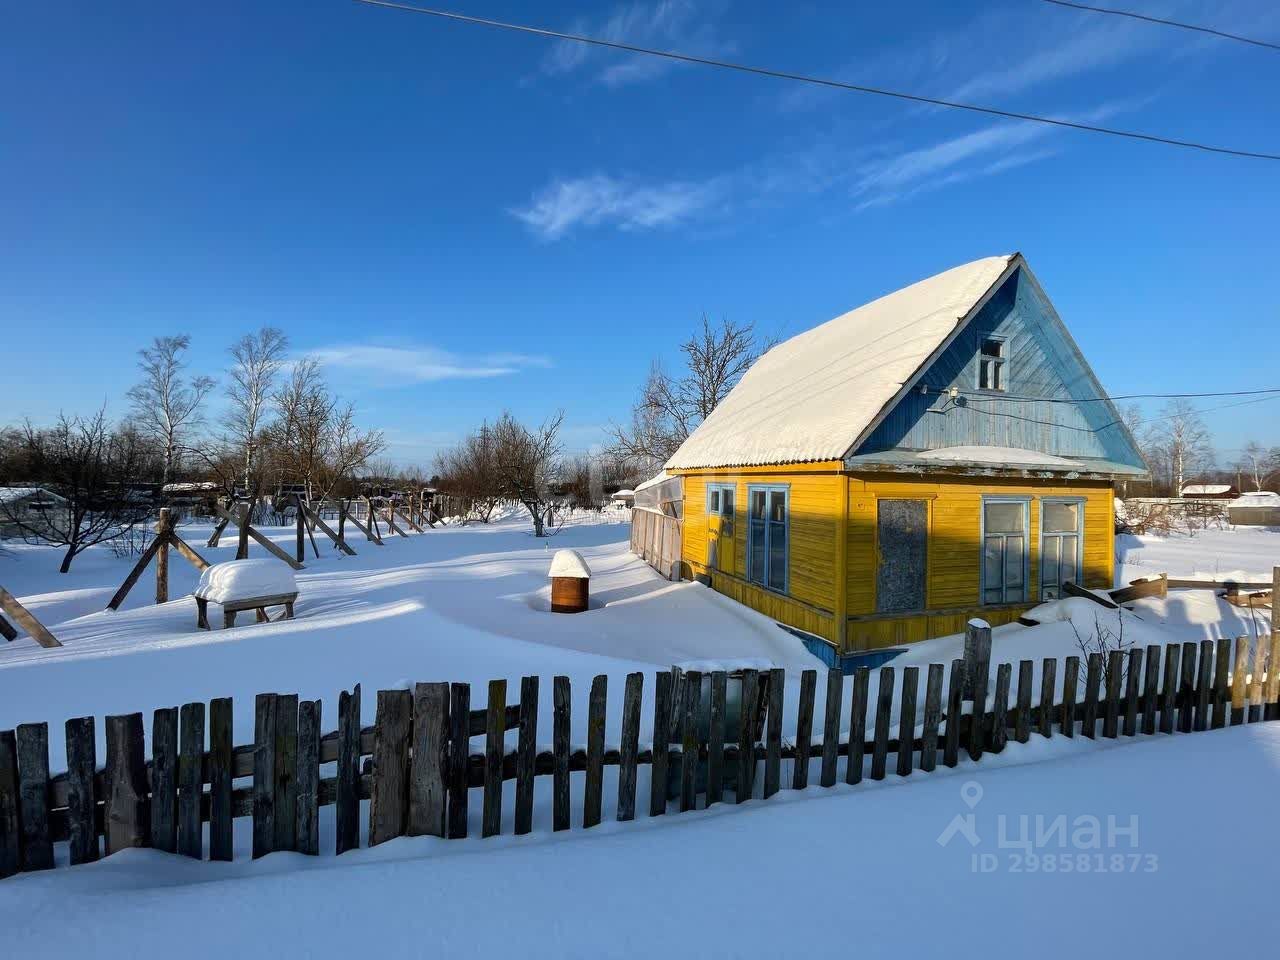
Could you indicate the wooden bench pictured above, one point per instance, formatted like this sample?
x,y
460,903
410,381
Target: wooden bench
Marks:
x,y
231,607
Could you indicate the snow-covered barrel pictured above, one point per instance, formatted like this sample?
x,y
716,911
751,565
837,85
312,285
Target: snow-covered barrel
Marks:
x,y
570,582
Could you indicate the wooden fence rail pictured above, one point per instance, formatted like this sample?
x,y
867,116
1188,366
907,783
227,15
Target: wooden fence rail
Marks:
x,y
417,766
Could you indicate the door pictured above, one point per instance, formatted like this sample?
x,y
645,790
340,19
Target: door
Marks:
x,y
721,554
903,539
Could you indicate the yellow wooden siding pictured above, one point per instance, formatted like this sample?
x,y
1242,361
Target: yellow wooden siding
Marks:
x,y
954,553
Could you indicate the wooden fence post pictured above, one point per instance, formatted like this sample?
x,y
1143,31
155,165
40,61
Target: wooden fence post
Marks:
x,y
127,814
932,718
459,758
1000,708
857,725
191,782
715,737
164,779
661,744
593,793
804,730
1048,688
630,747
347,814
1092,683
831,726
33,792
164,528
1111,709
242,545
1026,678
1204,684
82,791
977,645
884,710
264,774
221,779
1187,689
1151,689
389,796
427,785
527,754
773,736
955,711
1239,680
1255,679
10,818
747,734
1133,680
689,747
307,814
561,719
495,731
907,720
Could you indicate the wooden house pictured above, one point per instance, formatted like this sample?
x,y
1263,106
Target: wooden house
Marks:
x,y
941,453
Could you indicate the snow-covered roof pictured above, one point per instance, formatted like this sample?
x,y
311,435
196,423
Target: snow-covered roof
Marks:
x,y
13,494
190,486
1261,498
569,563
623,494
811,397
653,481
1206,489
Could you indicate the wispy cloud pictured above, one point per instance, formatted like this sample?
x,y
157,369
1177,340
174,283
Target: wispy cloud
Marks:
x,y
600,200
416,364
675,24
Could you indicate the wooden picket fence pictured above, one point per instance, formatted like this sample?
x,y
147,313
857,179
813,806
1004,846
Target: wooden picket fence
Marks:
x,y
416,766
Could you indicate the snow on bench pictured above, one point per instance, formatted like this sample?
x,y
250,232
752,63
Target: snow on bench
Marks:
x,y
245,585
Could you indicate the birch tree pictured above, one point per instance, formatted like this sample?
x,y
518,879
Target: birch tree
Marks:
x,y
1182,443
166,404
256,360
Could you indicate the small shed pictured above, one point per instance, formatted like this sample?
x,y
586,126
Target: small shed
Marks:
x,y
626,497
30,511
1261,509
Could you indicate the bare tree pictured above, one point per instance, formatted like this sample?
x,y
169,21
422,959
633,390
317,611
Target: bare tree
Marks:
x,y
469,470
166,405
90,466
256,359
670,408
1180,443
527,461
1254,463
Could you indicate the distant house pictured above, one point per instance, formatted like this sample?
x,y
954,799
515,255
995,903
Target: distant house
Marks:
x,y
1209,491
937,454
626,497
1260,509
28,510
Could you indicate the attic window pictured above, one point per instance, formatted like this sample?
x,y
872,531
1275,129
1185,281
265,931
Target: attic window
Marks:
x,y
991,362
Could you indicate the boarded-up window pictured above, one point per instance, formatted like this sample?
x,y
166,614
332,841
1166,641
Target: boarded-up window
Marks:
x,y
903,537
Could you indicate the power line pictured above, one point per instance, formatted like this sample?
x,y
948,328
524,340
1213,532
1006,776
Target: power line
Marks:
x,y
1165,23
817,81
978,395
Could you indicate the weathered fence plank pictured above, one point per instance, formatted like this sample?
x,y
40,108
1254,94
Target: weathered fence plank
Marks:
x,y
1239,681
164,779
630,747
804,730
1169,691
1151,689
831,727
1204,685
429,773
955,711
1187,689
460,756
1114,674
593,791
907,720
1133,680
977,678
307,812
33,794
526,755
221,779
1070,686
392,734
347,815
747,735
1048,686
773,736
494,748
1255,679
1092,684
560,747
932,718
689,748
191,782
857,725
715,738
127,815
1026,678
662,710
10,805
264,774
284,802
82,766
884,710
1000,708
1221,683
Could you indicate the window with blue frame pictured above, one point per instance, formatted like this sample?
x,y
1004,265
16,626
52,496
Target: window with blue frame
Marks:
x,y
768,535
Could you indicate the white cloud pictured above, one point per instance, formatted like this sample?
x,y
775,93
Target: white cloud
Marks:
x,y
668,24
422,364
603,200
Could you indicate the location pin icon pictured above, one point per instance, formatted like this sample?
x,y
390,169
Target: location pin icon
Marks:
x,y
971,793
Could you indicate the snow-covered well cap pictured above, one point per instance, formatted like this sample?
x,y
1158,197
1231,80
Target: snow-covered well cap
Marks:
x,y
569,563
811,397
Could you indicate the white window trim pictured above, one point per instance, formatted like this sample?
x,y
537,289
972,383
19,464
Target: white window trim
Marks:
x,y
1082,501
1025,501
786,565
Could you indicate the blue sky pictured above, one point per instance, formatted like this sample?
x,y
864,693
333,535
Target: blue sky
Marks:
x,y
458,220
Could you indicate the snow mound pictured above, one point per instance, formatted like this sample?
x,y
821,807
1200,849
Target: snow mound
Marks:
x,y
997,455
569,563
245,579
1064,610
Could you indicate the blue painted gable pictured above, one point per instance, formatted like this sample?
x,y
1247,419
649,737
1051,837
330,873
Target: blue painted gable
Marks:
x,y
1044,407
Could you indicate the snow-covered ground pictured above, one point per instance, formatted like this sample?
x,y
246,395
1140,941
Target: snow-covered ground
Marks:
x,y
471,604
